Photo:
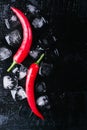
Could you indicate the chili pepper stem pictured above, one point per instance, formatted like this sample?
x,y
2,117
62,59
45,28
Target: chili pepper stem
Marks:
x,y
39,60
12,65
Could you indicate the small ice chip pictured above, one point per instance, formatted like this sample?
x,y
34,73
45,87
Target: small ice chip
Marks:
x,y
13,18
15,70
56,52
33,54
13,93
54,38
7,23
4,53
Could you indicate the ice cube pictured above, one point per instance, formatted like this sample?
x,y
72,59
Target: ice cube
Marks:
x,y
9,82
42,101
13,18
32,9
13,21
15,70
41,87
18,93
33,54
13,93
13,38
36,52
20,71
38,22
45,69
4,53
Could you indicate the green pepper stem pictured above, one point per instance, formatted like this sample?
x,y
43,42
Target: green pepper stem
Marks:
x,y
39,60
12,65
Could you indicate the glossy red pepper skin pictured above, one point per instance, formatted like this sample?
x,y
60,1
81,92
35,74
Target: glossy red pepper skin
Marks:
x,y
24,49
30,81
27,37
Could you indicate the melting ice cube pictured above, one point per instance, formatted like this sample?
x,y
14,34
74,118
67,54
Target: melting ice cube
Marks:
x,y
4,53
9,82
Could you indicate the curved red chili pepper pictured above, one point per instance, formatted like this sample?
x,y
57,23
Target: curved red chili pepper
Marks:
x,y
30,80
27,39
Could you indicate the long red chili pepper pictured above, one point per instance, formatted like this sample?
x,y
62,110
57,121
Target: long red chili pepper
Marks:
x,y
27,39
30,80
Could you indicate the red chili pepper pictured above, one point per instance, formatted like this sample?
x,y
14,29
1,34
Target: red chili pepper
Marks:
x,y
27,39
30,80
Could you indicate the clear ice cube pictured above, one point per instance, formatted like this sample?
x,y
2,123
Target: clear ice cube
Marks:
x,y
9,82
18,93
11,22
43,101
13,38
32,9
36,52
5,53
38,22
20,71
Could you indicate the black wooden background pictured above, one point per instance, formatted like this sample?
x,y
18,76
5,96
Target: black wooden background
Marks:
x,y
67,85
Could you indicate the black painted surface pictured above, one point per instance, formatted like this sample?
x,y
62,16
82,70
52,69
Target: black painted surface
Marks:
x,y
67,84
